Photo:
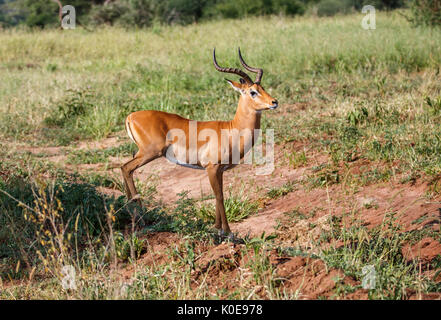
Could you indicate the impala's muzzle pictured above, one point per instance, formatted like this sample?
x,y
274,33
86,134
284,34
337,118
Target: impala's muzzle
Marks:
x,y
274,105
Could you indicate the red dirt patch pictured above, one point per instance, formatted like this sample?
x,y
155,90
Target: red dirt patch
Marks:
x,y
157,253
157,247
225,256
101,144
425,250
311,279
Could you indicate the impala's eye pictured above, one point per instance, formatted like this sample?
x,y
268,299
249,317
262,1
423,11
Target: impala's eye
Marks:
x,y
253,94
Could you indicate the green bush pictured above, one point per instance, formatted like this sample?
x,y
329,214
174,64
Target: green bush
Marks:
x,y
385,4
143,13
107,14
426,12
243,8
184,11
76,104
43,13
10,13
288,7
40,13
332,7
377,4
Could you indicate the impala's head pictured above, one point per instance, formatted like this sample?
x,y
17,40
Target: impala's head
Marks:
x,y
252,92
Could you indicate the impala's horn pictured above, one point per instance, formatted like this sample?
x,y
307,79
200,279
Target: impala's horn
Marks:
x,y
251,69
60,10
231,70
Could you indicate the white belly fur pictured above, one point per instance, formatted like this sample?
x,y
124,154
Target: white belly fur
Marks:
x,y
170,156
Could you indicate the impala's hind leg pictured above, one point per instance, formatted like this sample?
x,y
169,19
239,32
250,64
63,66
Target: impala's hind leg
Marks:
x,y
140,159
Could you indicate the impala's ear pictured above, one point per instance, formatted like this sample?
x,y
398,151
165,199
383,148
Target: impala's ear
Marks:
x,y
236,85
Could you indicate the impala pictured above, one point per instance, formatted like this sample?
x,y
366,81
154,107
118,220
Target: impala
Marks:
x,y
158,134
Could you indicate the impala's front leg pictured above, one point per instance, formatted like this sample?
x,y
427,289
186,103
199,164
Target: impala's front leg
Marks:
x,y
215,175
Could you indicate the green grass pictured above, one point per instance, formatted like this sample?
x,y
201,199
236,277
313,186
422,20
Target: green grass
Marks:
x,y
94,89
237,207
380,248
377,90
281,191
88,156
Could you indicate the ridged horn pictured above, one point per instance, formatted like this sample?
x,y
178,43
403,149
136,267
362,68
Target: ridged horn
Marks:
x,y
230,70
251,69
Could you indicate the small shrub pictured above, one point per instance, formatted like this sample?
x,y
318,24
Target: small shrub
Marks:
x,y
242,8
70,108
237,208
125,247
186,220
107,14
275,193
434,105
426,12
332,7
287,7
323,176
357,116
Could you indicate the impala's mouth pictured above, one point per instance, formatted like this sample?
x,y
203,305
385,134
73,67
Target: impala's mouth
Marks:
x,y
274,106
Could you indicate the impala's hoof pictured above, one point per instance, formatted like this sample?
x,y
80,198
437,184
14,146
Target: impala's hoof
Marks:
x,y
235,239
229,237
220,236
221,233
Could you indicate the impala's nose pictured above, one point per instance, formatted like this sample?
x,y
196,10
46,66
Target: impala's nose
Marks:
x,y
275,104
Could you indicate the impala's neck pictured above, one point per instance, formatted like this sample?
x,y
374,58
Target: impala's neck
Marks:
x,y
246,117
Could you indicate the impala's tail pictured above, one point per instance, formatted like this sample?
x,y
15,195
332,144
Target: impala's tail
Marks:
x,y
129,132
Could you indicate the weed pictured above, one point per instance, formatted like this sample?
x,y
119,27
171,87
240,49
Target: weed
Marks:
x,y
434,105
127,246
100,155
237,208
74,105
323,175
275,193
296,159
357,116
381,248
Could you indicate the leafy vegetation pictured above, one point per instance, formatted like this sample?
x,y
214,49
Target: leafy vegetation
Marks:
x,y
237,208
148,13
426,12
380,248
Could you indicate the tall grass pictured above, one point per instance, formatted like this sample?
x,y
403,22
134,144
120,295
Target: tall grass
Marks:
x,y
170,68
